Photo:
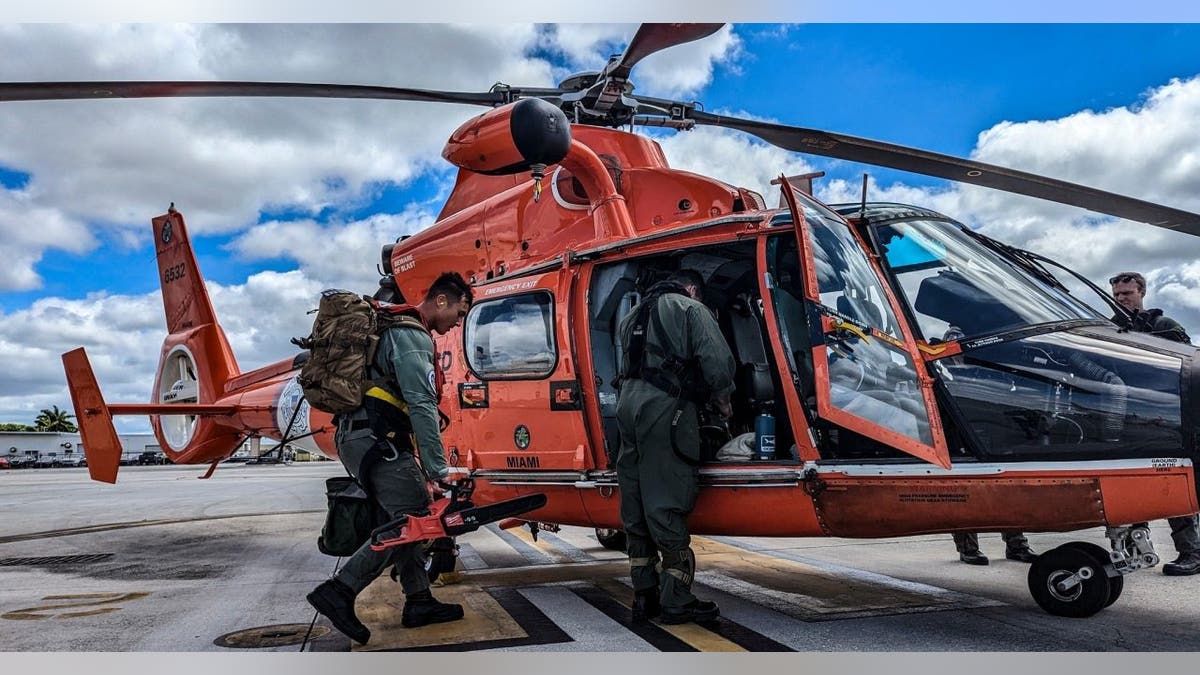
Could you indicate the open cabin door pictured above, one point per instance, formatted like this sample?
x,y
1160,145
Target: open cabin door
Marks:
x,y
864,357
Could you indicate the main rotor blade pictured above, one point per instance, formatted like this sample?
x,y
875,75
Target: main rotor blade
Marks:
x,y
50,91
653,37
957,169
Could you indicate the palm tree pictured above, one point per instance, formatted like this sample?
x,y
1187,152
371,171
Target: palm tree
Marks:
x,y
53,419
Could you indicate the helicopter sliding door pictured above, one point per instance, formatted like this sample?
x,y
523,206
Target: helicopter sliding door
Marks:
x,y
863,355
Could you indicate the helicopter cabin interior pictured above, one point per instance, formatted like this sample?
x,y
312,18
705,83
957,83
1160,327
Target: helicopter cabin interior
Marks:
x,y
732,291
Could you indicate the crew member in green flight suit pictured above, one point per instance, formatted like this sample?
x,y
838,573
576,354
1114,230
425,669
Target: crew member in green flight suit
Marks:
x,y
674,360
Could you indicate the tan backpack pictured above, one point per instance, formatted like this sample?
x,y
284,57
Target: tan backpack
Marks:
x,y
342,344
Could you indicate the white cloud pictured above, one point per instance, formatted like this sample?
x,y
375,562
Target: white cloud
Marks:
x,y
1151,150
224,161
681,70
26,230
123,336
339,255
733,157
685,69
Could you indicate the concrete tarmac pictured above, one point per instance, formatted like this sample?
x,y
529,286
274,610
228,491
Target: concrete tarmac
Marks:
x,y
165,562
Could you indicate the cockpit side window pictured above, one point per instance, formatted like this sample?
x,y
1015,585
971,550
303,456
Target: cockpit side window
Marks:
x,y
1067,396
957,288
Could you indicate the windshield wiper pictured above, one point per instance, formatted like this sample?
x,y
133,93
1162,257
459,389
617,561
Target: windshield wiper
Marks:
x,y
1028,260
1032,262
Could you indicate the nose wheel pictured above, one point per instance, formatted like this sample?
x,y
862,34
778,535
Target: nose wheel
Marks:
x,y
1074,580
613,540
441,557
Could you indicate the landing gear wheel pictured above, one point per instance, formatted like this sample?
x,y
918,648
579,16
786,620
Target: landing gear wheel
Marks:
x,y
613,540
440,558
1100,555
1087,596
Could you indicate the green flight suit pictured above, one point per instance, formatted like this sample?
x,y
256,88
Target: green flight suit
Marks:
x,y
658,487
405,360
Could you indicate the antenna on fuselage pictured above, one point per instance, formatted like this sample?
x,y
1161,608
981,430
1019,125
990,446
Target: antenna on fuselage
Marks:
x,y
862,209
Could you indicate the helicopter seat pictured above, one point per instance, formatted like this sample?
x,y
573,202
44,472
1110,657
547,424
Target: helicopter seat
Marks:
x,y
863,311
753,378
953,298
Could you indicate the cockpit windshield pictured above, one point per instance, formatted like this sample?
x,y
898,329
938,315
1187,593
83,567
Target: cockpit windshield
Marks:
x,y
959,288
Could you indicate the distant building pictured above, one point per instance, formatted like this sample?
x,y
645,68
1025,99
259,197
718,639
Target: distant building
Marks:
x,y
57,444
37,444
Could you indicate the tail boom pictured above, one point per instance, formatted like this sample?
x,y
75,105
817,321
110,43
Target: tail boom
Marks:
x,y
202,406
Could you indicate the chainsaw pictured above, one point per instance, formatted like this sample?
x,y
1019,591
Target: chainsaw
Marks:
x,y
451,516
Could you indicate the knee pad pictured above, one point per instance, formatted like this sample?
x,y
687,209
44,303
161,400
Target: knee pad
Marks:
x,y
680,564
651,560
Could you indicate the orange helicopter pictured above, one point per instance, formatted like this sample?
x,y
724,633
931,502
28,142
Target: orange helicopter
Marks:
x,y
921,378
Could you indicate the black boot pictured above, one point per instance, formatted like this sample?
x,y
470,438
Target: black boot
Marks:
x,y
646,605
422,609
335,601
1186,564
973,557
694,611
1021,554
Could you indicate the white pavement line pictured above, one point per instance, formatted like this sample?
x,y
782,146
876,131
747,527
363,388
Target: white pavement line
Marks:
x,y
566,547
495,552
809,608
470,559
590,629
944,595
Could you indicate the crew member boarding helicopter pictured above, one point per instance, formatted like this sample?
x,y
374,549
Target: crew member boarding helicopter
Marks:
x,y
922,378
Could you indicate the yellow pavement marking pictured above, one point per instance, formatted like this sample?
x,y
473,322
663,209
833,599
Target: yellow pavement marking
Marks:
x,y
381,605
701,638
818,591
693,634
53,610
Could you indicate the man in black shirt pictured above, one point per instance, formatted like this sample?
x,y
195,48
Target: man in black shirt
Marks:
x,y
1129,289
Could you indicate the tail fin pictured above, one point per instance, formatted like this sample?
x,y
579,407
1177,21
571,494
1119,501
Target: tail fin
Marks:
x,y
196,360
100,443
185,299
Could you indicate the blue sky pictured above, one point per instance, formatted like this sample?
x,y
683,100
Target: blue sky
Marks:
x,y
954,80
284,197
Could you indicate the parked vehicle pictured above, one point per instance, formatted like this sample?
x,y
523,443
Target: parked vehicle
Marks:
x,y
46,461
152,457
73,460
22,461
4,463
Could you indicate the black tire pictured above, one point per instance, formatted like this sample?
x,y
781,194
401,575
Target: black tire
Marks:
x,y
441,558
1085,599
613,540
1116,584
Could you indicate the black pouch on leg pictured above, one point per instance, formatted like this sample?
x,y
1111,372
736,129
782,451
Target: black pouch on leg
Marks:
x,y
351,517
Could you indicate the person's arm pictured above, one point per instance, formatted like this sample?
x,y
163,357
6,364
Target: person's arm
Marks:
x,y
412,361
1169,328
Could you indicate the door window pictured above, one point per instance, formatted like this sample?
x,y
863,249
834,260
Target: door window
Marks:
x,y
865,362
512,338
